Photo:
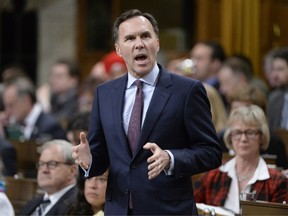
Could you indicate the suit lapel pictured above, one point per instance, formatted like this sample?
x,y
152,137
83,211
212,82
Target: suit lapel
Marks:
x,y
117,101
159,99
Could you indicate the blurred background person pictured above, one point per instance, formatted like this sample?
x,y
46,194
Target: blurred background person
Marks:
x,y
78,123
24,118
247,134
278,98
111,66
6,207
233,75
64,83
57,174
209,56
59,97
267,68
86,93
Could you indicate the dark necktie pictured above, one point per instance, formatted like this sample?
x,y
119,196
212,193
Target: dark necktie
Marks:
x,y
42,206
134,127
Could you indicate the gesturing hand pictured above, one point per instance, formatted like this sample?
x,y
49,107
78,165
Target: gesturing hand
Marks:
x,y
81,152
158,161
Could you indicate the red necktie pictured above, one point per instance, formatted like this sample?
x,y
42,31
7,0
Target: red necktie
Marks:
x,y
134,127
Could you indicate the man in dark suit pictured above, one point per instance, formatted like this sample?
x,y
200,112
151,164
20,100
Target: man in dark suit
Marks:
x,y
177,136
57,173
25,118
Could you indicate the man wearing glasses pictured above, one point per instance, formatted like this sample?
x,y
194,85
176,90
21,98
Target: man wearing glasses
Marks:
x,y
57,174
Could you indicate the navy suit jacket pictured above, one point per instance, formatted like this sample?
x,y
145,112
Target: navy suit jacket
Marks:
x,y
60,208
178,119
47,128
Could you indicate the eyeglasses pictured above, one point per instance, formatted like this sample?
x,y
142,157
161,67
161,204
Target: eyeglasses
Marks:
x,y
249,134
50,164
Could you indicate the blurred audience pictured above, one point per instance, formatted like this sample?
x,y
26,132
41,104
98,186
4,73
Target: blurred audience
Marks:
x,y
57,174
6,207
247,134
23,118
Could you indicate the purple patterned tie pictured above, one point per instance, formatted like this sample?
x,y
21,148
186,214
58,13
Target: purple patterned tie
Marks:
x,y
134,127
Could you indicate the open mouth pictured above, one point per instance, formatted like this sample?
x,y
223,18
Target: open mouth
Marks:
x,y
140,57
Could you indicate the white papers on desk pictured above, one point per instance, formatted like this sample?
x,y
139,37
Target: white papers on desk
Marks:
x,y
217,209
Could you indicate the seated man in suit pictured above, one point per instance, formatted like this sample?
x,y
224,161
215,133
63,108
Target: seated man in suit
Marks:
x,y
57,174
25,119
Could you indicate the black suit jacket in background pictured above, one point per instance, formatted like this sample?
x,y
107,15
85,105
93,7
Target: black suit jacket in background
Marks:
x,y
60,208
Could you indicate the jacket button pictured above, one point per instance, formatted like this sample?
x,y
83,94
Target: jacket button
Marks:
x,y
133,166
127,191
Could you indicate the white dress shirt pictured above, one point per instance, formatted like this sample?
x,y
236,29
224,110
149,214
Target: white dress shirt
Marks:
x,y
233,201
30,121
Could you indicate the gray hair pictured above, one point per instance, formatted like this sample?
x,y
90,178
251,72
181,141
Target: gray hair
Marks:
x,y
24,87
64,145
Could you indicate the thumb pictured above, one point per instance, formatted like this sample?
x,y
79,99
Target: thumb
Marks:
x,y
83,139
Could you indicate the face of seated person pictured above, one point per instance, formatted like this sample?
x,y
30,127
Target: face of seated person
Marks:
x,y
95,189
53,171
246,139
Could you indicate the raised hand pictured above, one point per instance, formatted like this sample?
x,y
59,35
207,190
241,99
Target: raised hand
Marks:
x,y
158,161
81,153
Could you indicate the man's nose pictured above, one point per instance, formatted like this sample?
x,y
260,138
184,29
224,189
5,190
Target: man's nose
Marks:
x,y
139,43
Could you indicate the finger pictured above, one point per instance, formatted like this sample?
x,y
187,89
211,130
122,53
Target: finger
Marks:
x,y
83,138
154,173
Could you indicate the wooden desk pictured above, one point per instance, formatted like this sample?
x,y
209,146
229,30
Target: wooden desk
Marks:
x,y
20,191
263,208
283,134
27,156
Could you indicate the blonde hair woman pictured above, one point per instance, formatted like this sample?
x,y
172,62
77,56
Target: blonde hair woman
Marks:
x,y
247,134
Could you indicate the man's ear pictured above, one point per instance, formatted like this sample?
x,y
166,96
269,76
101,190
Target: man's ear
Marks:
x,y
117,49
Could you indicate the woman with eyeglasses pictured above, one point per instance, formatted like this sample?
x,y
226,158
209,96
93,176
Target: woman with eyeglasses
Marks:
x,y
247,134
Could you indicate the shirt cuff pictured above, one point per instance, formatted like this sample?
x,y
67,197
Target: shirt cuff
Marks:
x,y
86,172
170,169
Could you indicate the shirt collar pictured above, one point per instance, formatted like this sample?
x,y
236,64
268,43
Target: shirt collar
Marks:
x,y
32,117
56,196
261,172
149,79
